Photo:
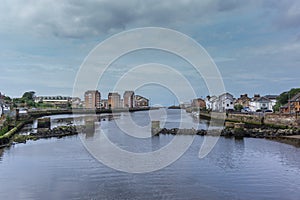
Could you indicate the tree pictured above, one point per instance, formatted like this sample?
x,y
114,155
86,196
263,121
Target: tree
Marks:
x,y
28,95
238,107
7,99
284,97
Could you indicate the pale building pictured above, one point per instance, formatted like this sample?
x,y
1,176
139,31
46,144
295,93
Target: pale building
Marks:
x,y
114,100
225,102
57,101
76,102
128,99
92,99
211,103
141,101
261,103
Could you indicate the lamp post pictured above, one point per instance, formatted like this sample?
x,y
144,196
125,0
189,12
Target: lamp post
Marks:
x,y
290,103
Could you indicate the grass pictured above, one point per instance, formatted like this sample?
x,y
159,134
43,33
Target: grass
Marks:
x,y
23,138
4,130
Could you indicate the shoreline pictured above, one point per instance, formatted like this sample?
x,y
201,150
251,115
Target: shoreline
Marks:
x,y
6,139
272,132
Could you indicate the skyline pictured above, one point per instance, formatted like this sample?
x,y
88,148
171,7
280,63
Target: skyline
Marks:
x,y
255,45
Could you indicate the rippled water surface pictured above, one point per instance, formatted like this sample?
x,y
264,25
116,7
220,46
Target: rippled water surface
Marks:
x,y
235,169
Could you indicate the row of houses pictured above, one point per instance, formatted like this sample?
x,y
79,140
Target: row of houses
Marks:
x,y
4,108
226,102
59,101
293,105
92,100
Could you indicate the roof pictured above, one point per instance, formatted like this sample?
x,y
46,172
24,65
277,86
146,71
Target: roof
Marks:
x,y
262,99
296,97
271,96
139,97
226,94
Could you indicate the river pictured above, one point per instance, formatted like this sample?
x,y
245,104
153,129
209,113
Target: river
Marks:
x,y
63,169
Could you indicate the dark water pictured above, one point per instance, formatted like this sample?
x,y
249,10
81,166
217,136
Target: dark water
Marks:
x,y
235,169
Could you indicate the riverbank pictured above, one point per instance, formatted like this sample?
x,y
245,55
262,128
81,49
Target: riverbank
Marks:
x,y
60,131
6,139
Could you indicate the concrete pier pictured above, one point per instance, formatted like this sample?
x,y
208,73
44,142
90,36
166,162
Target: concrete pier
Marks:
x,y
155,127
44,123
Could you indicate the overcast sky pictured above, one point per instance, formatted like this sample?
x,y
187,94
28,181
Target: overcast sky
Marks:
x,y
255,44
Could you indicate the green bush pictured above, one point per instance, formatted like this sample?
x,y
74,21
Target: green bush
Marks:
x,y
4,130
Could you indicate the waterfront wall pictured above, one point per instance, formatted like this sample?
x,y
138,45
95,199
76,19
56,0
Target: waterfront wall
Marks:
x,y
40,113
271,119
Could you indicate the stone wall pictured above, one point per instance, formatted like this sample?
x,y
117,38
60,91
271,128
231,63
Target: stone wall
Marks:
x,y
260,119
283,120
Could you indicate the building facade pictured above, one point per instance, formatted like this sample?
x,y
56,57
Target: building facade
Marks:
x,y
92,99
76,102
199,103
114,100
128,99
141,101
293,105
57,101
261,104
243,100
104,103
225,102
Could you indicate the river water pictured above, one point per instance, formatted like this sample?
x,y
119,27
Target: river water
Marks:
x,y
64,169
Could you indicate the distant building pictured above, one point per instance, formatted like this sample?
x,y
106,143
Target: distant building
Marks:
x,y
272,98
225,102
128,99
141,101
184,105
199,103
114,100
104,103
1,109
92,99
57,101
76,102
260,103
293,105
211,102
244,100
1,104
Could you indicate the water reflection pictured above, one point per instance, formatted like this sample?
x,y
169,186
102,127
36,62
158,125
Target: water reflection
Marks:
x,y
228,153
1,153
63,169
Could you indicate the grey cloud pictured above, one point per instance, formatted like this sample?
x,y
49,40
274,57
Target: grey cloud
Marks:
x,y
286,13
77,18
229,5
85,18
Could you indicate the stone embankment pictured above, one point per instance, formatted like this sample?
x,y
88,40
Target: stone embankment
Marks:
x,y
234,132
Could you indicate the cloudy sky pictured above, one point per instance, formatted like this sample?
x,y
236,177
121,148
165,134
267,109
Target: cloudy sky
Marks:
x,y
255,44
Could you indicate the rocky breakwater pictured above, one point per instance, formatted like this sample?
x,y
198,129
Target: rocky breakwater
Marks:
x,y
59,131
235,132
259,132
175,131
